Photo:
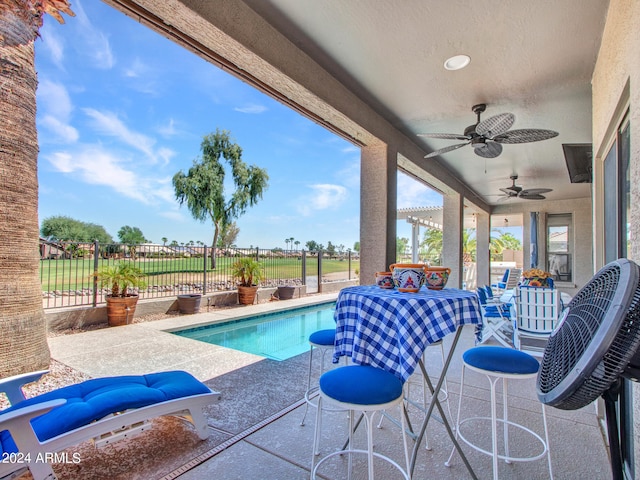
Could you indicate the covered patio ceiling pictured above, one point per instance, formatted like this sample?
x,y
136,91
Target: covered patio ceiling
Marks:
x,y
532,59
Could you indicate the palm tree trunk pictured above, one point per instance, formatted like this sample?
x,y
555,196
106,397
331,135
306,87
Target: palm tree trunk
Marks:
x,y
23,338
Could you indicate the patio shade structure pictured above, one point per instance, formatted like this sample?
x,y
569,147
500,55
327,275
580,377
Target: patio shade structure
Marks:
x,y
534,239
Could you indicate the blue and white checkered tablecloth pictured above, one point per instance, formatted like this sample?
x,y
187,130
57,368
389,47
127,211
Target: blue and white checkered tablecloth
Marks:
x,y
390,329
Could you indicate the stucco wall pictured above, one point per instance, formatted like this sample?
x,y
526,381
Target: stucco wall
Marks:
x,y
615,85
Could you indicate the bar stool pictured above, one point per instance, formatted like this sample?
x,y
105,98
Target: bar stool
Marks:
x,y
365,389
323,340
506,364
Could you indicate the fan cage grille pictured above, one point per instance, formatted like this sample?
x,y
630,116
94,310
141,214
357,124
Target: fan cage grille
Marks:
x,y
589,319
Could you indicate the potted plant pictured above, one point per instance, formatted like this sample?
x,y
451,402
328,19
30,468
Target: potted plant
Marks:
x,y
121,303
248,272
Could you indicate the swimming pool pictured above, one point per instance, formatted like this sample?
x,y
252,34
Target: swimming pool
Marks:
x,y
277,336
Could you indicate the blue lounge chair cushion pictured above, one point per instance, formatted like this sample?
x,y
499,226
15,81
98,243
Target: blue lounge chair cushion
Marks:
x,y
323,337
501,360
361,385
491,310
96,398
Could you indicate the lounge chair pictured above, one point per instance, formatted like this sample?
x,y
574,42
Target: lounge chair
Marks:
x,y
103,409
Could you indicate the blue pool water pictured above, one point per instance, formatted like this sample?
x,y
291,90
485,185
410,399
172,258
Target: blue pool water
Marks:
x,y
278,336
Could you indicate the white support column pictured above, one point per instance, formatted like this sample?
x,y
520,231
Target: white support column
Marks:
x,y
378,210
483,255
415,241
452,237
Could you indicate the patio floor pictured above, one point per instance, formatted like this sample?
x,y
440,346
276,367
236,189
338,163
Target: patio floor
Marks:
x,y
255,428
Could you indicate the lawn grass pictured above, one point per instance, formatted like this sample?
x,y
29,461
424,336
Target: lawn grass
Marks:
x,y
76,274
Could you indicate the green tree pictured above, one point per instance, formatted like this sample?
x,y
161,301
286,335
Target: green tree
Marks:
x,y
469,244
164,240
331,249
312,246
132,236
502,241
432,245
202,187
356,247
67,229
401,246
228,235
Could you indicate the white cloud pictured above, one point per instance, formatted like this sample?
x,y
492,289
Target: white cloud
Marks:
x,y
168,130
165,154
136,69
61,131
412,193
173,215
55,46
95,165
350,175
94,43
322,197
108,123
54,99
56,108
252,108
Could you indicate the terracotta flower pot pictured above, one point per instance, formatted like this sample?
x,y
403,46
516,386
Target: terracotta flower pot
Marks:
x,y
120,310
247,295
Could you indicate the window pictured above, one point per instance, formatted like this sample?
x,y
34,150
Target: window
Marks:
x,y
560,247
617,204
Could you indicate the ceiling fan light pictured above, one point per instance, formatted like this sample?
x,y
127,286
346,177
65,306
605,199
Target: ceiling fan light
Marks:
x,y
457,62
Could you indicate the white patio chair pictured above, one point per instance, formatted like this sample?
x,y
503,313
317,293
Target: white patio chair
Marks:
x,y
537,314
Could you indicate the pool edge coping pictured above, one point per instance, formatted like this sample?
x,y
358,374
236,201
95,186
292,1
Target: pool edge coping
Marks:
x,y
197,320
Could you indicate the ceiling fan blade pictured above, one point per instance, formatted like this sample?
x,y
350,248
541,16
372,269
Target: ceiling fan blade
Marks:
x,y
532,197
525,135
446,149
496,125
489,150
445,136
534,191
508,192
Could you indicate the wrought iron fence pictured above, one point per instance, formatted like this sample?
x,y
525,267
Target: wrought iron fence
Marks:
x,y
67,269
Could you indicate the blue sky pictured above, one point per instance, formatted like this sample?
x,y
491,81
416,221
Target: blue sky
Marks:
x,y
121,109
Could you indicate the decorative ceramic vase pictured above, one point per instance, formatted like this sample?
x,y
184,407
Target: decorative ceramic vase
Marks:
x,y
384,280
437,277
408,277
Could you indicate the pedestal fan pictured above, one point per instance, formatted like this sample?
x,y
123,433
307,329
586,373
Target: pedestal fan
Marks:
x,y
595,345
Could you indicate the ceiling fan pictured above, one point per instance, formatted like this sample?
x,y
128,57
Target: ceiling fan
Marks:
x,y
516,191
487,136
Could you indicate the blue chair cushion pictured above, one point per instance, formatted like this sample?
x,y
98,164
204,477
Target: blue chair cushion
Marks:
x,y
96,398
323,337
361,385
501,360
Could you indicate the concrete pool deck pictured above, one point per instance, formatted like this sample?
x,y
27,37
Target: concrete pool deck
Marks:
x,y
255,428
148,347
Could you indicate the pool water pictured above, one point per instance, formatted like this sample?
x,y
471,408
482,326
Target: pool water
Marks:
x,y
277,336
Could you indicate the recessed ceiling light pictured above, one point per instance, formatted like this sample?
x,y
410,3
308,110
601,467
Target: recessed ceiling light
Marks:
x,y
457,62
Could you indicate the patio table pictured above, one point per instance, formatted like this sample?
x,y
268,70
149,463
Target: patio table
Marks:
x,y
390,330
